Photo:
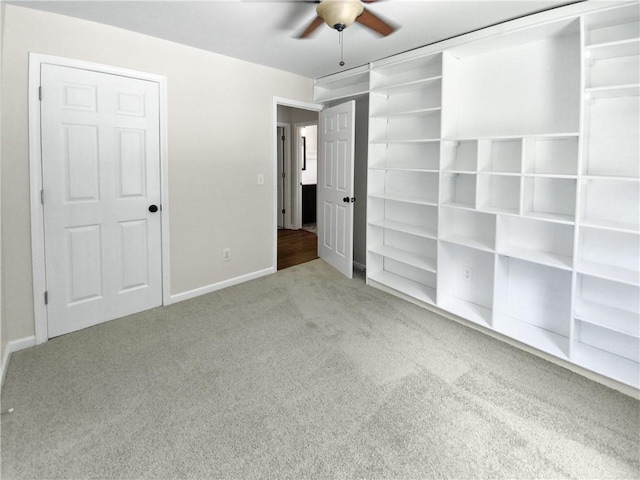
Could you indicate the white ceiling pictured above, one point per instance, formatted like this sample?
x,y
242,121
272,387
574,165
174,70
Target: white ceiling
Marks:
x,y
263,31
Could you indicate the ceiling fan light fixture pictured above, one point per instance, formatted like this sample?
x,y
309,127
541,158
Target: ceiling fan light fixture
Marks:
x,y
339,14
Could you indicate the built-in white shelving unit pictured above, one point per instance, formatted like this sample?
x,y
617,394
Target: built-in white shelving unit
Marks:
x,y
405,110
504,182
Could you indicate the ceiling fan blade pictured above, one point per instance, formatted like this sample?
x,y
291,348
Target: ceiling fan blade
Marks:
x,y
375,23
312,27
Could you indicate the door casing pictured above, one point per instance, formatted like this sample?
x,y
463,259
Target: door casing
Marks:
x,y
314,107
35,180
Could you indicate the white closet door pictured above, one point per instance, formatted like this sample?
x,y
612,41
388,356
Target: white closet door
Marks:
x,y
101,181
336,135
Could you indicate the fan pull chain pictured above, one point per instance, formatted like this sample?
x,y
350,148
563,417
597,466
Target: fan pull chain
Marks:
x,y
341,42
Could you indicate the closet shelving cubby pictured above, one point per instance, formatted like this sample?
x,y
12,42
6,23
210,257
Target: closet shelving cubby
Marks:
x,y
533,304
347,84
607,316
504,182
465,282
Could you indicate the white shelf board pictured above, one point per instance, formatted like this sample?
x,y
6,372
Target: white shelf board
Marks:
x,y
545,340
405,228
550,175
467,172
471,242
551,217
501,174
406,86
410,113
404,285
610,225
469,311
461,206
621,48
610,177
418,261
613,366
406,169
514,137
632,90
499,210
403,198
609,272
355,93
535,256
406,140
611,318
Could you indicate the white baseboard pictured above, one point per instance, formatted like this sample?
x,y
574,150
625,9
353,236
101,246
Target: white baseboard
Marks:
x,y
14,346
196,292
360,266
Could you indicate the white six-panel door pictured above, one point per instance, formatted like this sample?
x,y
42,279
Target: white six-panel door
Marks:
x,y
101,173
336,137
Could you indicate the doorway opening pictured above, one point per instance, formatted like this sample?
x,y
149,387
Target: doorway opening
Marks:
x,y
296,178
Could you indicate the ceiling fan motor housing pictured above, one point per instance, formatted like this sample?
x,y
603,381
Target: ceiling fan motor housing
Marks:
x,y
339,14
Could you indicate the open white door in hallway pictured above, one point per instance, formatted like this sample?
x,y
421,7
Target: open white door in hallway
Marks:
x,y
336,136
101,191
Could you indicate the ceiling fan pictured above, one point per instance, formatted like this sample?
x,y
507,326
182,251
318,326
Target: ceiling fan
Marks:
x,y
340,14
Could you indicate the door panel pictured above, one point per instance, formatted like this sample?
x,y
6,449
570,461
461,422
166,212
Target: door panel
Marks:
x,y
100,172
335,183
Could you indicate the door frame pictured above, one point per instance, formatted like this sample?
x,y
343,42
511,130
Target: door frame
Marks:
x,y
36,60
297,197
285,102
287,204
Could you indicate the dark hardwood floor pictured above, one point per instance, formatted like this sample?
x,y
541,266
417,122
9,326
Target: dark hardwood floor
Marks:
x,y
295,247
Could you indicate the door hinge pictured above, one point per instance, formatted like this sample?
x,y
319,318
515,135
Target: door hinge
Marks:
x,y
284,174
282,138
42,197
46,298
283,211
40,93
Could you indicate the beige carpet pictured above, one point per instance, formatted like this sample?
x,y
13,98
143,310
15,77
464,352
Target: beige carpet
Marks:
x,y
305,374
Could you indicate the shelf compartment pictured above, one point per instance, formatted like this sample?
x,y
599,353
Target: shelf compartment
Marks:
x,y
533,304
611,305
406,248
615,71
495,88
607,364
536,241
406,71
550,198
464,227
402,128
459,189
466,282
620,48
403,256
610,341
612,146
419,187
500,156
609,255
419,220
405,155
460,156
423,94
498,194
351,83
551,156
614,91
611,204
614,25
416,283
